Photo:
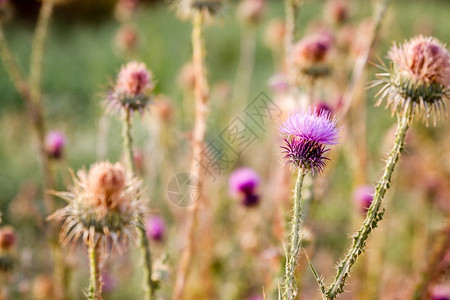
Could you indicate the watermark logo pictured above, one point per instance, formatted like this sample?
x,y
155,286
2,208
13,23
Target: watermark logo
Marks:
x,y
183,191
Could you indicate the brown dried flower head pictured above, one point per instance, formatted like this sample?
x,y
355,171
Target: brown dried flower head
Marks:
x,y
104,206
420,73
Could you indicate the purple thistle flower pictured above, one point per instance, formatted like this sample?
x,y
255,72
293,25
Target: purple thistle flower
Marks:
x,y
440,292
54,144
155,228
243,183
307,135
363,197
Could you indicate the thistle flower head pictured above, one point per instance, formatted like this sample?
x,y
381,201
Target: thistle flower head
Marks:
x,y
7,241
420,73
275,34
8,238
54,144
310,55
337,11
127,39
209,9
155,228
132,89
306,136
243,184
104,206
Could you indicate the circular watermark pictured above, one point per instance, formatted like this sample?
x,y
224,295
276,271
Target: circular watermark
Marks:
x,y
182,190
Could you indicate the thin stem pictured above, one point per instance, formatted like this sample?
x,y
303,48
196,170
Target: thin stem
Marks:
x,y
291,10
290,286
373,215
37,50
362,60
128,141
245,67
201,93
95,286
149,284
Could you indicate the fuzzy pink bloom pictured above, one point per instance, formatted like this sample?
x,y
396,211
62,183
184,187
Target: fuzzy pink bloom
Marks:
x,y
8,238
363,197
54,144
126,39
337,11
312,49
424,59
134,79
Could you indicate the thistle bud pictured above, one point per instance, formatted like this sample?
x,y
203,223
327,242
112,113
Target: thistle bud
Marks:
x,y
54,144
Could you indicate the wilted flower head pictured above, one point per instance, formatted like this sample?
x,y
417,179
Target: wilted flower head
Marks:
x,y
243,183
251,11
124,9
8,238
132,89
420,73
337,11
209,9
155,228
54,144
126,39
306,136
7,241
310,54
363,197
104,206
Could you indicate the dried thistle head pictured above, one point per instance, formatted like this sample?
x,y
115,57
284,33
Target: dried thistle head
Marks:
x,y
132,89
251,11
420,73
209,9
104,206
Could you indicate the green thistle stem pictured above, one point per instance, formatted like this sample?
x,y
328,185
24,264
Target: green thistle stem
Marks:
x,y
95,287
373,215
290,286
149,284
291,10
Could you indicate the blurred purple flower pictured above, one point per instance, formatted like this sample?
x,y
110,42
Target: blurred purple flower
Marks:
x,y
254,297
109,283
322,106
363,197
440,292
155,228
243,183
243,180
54,144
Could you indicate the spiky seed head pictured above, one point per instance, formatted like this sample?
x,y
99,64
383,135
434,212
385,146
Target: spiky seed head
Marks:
x,y
104,206
306,137
209,9
132,89
419,73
